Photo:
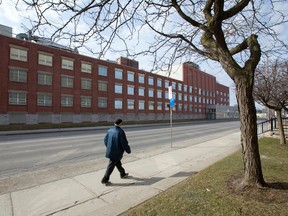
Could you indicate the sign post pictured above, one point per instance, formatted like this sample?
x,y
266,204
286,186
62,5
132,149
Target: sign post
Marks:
x,y
171,105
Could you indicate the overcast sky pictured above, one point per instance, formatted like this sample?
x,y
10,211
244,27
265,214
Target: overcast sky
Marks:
x,y
9,16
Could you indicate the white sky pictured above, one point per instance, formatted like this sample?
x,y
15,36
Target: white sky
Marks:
x,y
9,16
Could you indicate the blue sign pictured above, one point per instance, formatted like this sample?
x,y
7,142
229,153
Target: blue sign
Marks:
x,y
172,102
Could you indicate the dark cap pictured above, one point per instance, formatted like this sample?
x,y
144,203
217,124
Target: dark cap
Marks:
x,y
118,121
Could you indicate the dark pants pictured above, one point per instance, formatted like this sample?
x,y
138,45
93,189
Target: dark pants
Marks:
x,y
110,169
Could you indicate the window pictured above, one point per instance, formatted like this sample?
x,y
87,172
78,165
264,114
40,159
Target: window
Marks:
x,y
86,67
179,87
141,105
45,59
86,101
130,76
159,82
44,99
185,107
118,88
44,78
185,97
174,95
166,95
130,104
159,94
67,64
67,81
17,98
130,90
141,78
151,92
179,96
86,83
18,53
118,104
151,81
102,86
159,105
185,88
166,83
118,74
102,70
141,91
173,85
190,89
151,105
66,101
102,102
179,107
18,75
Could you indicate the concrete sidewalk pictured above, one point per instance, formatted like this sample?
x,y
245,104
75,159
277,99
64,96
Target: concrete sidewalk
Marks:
x,y
85,195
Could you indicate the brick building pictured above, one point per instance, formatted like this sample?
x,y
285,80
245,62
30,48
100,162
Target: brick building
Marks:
x,y
44,82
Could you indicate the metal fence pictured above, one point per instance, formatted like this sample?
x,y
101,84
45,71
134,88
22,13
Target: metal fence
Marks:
x,y
271,125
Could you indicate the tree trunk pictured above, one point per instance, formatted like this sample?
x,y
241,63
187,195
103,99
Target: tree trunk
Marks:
x,y
253,175
281,129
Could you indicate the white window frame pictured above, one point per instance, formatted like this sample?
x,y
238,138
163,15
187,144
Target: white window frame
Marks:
x,y
67,100
86,67
130,76
130,104
67,63
118,73
67,81
130,90
140,91
102,70
86,101
19,53
44,99
141,105
86,83
17,97
151,81
151,93
102,102
47,78
141,78
102,85
118,88
18,75
118,104
45,59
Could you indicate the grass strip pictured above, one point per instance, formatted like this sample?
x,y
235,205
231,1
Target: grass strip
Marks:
x,y
210,192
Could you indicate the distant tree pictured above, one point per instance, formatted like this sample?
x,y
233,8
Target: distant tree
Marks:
x,y
271,90
227,32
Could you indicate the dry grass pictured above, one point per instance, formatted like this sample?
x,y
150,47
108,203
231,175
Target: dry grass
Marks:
x,y
210,192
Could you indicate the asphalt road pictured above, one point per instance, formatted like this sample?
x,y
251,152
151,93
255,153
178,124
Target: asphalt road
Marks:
x,y
30,159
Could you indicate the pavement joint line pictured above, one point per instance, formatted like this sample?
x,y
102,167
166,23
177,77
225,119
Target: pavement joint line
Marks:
x,y
86,188
71,206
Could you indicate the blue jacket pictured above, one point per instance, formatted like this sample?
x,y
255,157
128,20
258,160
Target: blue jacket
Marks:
x,y
116,143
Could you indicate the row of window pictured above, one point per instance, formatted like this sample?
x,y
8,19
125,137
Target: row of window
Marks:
x,y
44,99
20,75
86,84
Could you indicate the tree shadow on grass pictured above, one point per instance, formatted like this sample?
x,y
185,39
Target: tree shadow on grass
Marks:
x,y
278,185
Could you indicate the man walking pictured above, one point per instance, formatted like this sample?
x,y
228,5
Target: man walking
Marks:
x,y
116,143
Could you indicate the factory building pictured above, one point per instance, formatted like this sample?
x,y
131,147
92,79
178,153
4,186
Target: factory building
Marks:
x,y
45,82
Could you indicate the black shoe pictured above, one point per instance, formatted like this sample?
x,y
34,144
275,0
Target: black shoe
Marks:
x,y
106,182
124,176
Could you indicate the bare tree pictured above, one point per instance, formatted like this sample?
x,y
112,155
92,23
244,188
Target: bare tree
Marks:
x,y
229,32
270,90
